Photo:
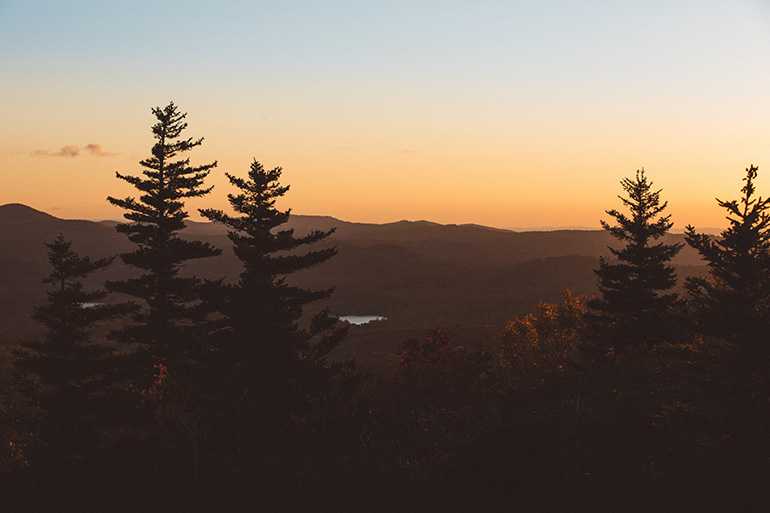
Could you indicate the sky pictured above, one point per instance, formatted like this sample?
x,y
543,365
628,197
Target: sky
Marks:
x,y
505,113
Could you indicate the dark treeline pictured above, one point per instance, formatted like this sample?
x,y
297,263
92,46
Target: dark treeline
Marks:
x,y
164,384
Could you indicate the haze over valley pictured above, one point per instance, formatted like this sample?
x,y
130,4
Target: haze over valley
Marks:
x,y
467,279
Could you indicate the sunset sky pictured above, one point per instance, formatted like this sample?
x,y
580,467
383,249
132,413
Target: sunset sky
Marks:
x,y
505,113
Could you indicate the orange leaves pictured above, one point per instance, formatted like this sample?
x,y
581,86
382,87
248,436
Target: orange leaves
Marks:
x,y
543,339
157,387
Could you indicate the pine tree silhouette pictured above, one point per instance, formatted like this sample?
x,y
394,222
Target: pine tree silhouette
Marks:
x,y
734,301
635,304
154,222
262,299
273,372
73,370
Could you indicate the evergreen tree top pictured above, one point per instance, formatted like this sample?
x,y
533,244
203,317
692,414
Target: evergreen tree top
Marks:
x,y
748,232
154,219
251,232
66,265
71,309
269,254
635,301
739,259
644,204
166,180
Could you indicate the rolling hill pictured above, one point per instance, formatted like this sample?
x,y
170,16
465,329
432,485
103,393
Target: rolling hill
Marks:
x,y
417,273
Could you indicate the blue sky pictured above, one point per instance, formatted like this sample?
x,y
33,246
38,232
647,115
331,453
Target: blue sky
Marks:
x,y
451,40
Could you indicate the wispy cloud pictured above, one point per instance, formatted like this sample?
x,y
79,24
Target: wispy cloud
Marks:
x,y
97,150
71,151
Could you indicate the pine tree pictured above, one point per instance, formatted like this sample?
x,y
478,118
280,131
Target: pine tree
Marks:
x,y
635,304
154,223
72,369
734,301
262,300
274,372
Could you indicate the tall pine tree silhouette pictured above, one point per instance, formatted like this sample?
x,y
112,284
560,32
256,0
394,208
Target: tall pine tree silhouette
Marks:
x,y
262,304
272,370
635,304
154,221
73,370
734,301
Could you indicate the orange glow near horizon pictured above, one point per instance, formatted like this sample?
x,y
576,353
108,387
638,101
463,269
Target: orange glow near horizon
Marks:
x,y
469,116
486,173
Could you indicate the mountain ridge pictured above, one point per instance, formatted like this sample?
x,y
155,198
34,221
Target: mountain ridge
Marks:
x,y
419,274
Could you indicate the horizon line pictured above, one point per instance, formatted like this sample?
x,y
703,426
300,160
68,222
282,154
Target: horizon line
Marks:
x,y
533,228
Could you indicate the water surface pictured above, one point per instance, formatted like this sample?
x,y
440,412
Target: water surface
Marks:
x,y
358,320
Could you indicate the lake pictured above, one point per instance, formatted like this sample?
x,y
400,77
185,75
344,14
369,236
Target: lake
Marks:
x,y
358,320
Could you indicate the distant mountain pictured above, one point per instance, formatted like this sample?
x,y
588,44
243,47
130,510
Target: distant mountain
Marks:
x,y
417,273
16,212
23,259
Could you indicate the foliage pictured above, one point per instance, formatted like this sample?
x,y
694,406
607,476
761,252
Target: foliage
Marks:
x,y
734,300
71,370
19,416
274,372
154,222
167,327
600,402
437,406
634,307
267,257
543,341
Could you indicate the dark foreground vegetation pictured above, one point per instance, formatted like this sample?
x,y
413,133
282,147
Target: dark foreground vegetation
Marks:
x,y
639,398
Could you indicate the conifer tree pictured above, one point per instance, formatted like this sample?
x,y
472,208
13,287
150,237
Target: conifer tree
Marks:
x,y
262,299
271,365
734,300
154,222
72,369
635,301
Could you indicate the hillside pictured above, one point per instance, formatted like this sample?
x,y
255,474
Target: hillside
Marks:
x,y
23,260
418,274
